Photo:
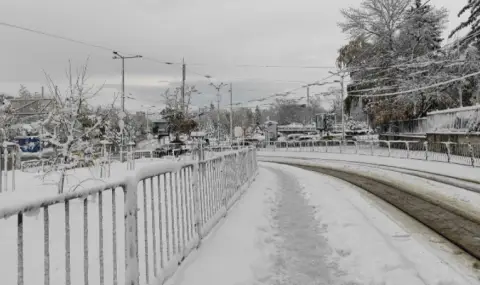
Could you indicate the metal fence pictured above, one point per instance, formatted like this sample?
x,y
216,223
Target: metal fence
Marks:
x,y
133,231
465,154
415,126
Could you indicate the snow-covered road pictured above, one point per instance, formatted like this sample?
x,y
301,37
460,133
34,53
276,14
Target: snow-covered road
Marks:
x,y
298,227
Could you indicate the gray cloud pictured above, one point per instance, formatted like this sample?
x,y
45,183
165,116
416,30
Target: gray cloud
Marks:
x,y
217,33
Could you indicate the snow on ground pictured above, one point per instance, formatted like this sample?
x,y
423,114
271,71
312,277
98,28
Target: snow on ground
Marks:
x,y
443,168
148,144
462,199
298,227
31,186
34,229
237,251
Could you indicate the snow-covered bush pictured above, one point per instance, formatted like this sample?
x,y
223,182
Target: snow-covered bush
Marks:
x,y
72,127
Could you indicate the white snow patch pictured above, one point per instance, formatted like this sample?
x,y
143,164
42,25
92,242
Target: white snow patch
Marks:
x,y
237,251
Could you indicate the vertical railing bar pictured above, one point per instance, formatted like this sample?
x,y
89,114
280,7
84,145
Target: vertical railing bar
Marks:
x,y
100,237
154,232
191,210
217,185
205,192
114,237
220,183
167,232
214,188
223,189
20,269
85,241
136,229
46,246
174,243
181,223
68,279
177,203
160,219
182,206
188,201
125,226
145,230
208,188
201,188
185,205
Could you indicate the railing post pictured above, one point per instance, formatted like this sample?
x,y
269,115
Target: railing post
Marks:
x,y
237,173
340,146
131,259
407,145
14,162
389,149
425,145
472,156
326,146
109,164
447,144
356,147
5,166
371,147
223,182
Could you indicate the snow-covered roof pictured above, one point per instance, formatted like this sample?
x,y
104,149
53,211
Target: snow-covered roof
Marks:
x,y
468,108
293,125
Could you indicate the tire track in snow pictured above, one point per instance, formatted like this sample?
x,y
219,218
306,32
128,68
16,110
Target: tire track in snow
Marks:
x,y
301,248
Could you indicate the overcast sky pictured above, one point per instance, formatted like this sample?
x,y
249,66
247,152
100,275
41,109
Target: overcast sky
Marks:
x,y
214,36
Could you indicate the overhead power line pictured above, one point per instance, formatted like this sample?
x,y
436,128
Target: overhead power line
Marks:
x,y
267,66
105,48
153,59
421,88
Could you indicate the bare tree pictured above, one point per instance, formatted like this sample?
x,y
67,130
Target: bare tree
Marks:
x,y
177,111
377,20
71,127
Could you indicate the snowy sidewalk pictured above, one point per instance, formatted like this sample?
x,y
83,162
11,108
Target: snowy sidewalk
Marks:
x,y
298,227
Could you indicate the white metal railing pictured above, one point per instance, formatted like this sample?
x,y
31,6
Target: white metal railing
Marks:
x,y
136,230
466,154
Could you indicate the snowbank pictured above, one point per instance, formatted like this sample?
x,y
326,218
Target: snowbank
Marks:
x,y
456,170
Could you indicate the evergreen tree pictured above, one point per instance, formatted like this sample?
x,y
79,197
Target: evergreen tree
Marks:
x,y
423,29
258,116
23,92
473,22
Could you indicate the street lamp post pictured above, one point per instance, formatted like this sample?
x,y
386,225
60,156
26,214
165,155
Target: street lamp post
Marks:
x,y
341,81
149,107
312,115
218,87
119,56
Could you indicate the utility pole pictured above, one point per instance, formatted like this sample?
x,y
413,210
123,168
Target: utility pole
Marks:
x,y
218,87
118,56
231,113
308,98
342,82
342,79
183,85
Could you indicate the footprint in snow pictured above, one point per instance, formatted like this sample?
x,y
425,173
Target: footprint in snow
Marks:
x,y
343,252
401,236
